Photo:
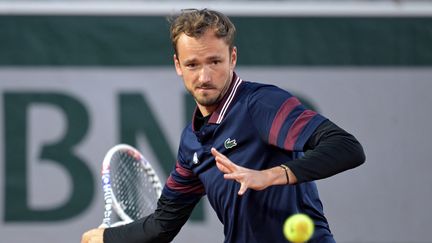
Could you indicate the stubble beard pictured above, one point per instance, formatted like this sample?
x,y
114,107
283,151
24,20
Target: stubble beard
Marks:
x,y
207,100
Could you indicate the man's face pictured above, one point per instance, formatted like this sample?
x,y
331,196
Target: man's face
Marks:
x,y
206,66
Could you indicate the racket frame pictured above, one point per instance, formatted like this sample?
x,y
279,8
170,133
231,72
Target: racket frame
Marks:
x,y
110,200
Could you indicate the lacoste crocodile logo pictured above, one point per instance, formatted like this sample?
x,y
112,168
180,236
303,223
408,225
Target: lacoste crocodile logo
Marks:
x,y
230,143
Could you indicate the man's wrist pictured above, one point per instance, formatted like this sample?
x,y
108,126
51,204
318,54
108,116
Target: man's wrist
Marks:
x,y
286,169
276,176
281,175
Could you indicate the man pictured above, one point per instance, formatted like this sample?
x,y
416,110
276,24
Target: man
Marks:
x,y
243,149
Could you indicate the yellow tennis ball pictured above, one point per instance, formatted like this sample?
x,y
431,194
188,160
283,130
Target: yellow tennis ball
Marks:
x,y
298,228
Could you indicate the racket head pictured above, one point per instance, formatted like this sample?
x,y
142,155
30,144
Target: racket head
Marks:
x,y
131,186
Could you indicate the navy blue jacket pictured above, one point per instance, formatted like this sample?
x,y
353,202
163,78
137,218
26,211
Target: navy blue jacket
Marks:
x,y
257,126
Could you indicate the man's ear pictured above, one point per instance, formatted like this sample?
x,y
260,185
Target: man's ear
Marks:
x,y
233,58
177,65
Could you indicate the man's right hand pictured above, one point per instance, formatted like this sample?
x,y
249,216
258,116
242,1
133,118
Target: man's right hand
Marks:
x,y
93,236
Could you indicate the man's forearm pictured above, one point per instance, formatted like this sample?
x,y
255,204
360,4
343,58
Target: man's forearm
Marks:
x,y
329,151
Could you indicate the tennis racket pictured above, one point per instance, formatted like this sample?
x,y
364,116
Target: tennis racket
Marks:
x,y
130,186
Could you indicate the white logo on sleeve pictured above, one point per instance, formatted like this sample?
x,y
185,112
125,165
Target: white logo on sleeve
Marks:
x,y
195,158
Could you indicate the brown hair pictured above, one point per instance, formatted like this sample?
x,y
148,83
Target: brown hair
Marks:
x,y
195,22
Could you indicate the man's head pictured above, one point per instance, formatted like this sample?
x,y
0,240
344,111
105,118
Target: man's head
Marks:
x,y
205,55
195,23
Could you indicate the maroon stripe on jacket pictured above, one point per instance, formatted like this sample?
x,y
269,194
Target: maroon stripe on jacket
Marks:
x,y
296,128
191,188
280,117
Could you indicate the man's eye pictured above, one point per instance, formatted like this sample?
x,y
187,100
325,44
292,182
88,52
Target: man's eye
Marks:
x,y
191,65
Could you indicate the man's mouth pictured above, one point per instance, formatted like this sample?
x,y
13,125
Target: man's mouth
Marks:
x,y
205,87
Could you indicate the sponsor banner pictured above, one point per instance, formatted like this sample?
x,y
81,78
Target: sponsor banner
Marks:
x,y
57,124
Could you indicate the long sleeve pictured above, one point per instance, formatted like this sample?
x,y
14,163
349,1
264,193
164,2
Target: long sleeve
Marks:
x,y
328,151
161,226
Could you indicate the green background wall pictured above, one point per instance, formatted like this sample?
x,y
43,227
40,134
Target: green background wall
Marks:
x,y
117,40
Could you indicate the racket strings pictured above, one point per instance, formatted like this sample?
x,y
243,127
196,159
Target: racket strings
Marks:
x,y
133,185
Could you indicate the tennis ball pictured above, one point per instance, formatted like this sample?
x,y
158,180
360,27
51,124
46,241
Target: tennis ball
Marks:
x,y
298,228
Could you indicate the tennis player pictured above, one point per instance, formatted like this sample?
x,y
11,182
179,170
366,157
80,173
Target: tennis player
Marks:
x,y
253,149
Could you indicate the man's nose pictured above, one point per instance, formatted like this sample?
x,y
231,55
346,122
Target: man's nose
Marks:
x,y
204,75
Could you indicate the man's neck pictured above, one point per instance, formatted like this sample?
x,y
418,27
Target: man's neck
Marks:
x,y
206,110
